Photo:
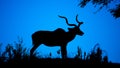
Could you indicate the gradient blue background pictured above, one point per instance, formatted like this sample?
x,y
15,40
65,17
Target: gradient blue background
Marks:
x,y
24,17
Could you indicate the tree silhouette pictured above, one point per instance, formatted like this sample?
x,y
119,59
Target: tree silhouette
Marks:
x,y
116,11
103,3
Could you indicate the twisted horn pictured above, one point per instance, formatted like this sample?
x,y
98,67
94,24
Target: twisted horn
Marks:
x,y
79,23
66,20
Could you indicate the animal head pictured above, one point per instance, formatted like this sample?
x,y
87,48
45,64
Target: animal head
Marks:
x,y
76,28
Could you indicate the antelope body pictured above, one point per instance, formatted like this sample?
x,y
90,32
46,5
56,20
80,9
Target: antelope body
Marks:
x,y
59,37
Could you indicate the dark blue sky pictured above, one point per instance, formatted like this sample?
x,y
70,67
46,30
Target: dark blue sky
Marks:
x,y
24,17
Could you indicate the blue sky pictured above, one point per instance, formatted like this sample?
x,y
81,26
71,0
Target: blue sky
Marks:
x,y
24,17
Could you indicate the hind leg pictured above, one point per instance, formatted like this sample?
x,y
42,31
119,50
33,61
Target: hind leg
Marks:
x,y
33,49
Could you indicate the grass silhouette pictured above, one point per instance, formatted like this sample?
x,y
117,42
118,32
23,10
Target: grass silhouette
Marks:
x,y
20,55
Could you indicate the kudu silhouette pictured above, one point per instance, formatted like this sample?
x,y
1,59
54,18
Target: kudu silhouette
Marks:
x,y
59,37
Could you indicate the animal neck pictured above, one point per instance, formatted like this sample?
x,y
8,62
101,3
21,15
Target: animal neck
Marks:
x,y
71,35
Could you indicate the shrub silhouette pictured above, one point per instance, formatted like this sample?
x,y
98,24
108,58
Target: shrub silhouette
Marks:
x,y
15,55
95,57
79,53
20,55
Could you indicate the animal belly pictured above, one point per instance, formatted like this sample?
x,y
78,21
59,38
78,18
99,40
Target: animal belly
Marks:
x,y
53,42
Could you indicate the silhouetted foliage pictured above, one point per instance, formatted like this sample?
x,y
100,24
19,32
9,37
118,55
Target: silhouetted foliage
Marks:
x,y
18,55
2,58
96,55
15,53
79,53
102,3
116,12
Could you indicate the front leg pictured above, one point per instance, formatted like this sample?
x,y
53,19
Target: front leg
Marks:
x,y
64,51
